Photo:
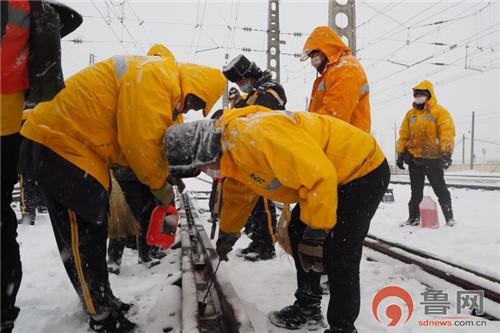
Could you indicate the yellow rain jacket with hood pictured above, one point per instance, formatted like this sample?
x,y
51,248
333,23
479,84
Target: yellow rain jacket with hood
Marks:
x,y
427,133
116,112
305,160
342,89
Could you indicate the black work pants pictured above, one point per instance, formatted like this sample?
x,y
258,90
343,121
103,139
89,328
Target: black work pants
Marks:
x,y
262,223
357,203
11,260
31,196
78,209
141,202
435,174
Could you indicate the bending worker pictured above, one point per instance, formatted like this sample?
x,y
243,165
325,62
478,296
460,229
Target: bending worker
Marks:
x,y
114,113
336,173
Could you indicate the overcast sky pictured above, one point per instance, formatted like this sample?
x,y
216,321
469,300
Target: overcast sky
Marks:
x,y
392,37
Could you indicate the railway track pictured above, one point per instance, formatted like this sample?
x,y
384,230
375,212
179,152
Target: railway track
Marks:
x,y
452,185
223,312
459,275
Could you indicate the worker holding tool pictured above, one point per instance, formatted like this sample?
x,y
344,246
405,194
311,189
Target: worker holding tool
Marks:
x,y
340,90
336,173
260,89
113,113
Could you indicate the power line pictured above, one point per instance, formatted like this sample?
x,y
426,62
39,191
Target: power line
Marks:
x,y
109,26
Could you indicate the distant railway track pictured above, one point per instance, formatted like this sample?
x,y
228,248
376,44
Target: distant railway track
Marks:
x,y
452,185
461,276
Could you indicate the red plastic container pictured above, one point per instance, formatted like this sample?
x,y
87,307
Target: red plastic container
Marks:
x,y
428,213
162,226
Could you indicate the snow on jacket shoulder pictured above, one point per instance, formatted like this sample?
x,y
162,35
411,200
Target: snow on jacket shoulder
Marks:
x,y
115,114
304,161
342,90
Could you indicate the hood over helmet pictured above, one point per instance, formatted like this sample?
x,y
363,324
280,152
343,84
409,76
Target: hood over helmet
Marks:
x,y
160,51
324,39
192,145
426,85
205,82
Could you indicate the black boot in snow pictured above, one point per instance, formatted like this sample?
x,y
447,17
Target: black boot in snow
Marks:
x,y
290,317
115,322
243,252
113,267
261,254
413,221
144,253
294,317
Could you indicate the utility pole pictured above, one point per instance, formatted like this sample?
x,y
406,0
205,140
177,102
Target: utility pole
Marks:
x,y
91,59
273,39
472,143
463,149
338,13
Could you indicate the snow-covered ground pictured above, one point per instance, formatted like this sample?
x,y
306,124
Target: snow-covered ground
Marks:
x,y
49,304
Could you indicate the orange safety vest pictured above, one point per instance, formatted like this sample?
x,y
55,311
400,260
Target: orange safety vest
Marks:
x,y
14,49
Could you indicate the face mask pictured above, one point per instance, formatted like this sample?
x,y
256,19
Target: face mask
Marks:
x,y
247,87
420,99
214,173
316,61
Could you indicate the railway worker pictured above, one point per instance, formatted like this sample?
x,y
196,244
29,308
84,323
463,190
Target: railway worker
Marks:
x,y
113,113
31,39
335,172
341,89
426,142
141,202
260,89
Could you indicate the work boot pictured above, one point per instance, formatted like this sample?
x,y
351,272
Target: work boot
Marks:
x,y
243,252
411,221
115,322
8,319
294,317
113,267
340,330
157,252
261,254
144,253
27,219
120,306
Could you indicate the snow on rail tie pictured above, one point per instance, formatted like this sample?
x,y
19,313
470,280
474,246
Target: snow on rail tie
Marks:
x,y
224,312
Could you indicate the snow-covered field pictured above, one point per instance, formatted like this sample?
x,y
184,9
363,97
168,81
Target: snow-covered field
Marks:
x,y
49,304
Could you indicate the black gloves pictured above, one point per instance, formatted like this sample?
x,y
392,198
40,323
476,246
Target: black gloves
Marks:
x,y
311,249
225,244
446,160
400,162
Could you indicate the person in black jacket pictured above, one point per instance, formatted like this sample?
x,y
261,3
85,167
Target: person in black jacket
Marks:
x,y
260,89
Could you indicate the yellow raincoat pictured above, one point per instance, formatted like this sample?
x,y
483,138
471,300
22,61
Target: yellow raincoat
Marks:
x,y
304,160
342,89
427,133
116,113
